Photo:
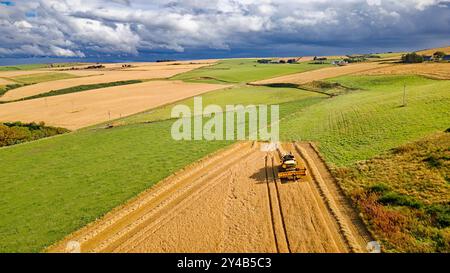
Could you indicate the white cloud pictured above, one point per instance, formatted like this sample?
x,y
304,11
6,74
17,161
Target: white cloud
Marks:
x,y
61,52
22,24
81,27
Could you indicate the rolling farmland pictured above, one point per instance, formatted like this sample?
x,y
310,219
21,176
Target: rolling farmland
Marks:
x,y
92,198
78,110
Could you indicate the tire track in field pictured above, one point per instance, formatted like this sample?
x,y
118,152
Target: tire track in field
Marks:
x,y
141,226
150,226
231,201
269,196
155,198
276,181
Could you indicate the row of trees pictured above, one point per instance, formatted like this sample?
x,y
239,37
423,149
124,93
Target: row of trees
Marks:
x,y
16,132
412,58
416,58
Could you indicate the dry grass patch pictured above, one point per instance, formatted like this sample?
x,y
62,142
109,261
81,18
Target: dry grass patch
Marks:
x,y
324,73
431,51
439,71
404,195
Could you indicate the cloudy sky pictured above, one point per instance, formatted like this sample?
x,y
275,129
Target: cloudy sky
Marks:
x,y
139,29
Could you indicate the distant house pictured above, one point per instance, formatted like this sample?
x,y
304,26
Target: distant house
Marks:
x,y
339,62
319,58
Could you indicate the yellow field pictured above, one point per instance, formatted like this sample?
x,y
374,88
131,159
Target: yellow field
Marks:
x,y
431,51
5,81
320,74
82,109
111,73
433,70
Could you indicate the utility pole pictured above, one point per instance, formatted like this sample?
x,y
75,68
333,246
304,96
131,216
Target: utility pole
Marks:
x,y
404,95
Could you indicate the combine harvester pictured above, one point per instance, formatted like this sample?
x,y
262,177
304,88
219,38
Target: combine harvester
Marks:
x,y
289,169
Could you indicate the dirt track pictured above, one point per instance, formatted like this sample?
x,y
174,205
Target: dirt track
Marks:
x,y
231,202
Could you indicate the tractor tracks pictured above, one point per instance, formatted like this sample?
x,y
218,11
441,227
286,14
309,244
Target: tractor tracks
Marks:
x,y
121,224
231,201
280,234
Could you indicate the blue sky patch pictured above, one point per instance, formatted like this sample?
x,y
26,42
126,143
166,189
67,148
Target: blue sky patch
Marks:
x,y
7,3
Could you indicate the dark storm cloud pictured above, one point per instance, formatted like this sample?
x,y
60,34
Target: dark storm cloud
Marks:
x,y
79,28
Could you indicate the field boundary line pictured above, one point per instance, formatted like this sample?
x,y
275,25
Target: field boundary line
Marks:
x,y
352,212
174,205
177,190
329,200
137,201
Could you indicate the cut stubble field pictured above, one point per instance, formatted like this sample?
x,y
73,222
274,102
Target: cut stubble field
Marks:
x,y
232,202
440,71
141,72
329,72
77,110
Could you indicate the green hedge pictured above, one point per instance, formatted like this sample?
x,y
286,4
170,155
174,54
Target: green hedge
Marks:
x,y
16,132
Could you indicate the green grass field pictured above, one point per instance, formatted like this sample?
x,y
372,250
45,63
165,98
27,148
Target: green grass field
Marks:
x,y
364,123
243,70
73,179
244,95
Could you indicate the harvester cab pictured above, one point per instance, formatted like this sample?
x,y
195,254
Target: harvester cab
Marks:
x,y
289,169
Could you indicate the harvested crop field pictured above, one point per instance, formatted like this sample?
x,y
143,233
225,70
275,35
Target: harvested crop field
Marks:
x,y
82,109
5,81
329,72
433,50
147,71
440,71
231,201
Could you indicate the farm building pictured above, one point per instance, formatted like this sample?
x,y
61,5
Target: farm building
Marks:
x,y
339,63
